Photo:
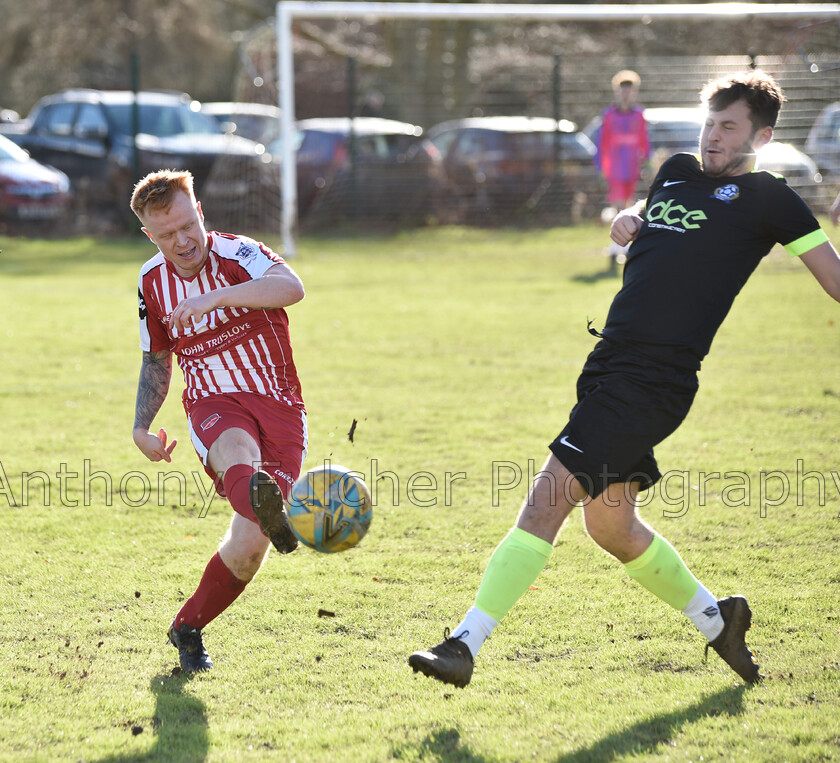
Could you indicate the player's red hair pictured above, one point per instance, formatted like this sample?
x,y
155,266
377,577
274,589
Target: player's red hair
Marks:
x,y
157,190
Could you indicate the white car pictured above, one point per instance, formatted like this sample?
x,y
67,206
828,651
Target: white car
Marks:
x,y
259,122
823,143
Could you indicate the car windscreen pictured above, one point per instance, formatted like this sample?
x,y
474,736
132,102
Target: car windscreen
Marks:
x,y
254,126
162,120
684,135
541,145
317,146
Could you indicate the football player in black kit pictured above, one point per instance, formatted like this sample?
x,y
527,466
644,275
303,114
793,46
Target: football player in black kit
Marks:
x,y
707,222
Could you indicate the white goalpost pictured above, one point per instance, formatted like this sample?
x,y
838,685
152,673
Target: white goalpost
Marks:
x,y
287,11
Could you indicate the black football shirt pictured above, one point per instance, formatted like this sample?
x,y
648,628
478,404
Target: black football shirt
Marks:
x,y
701,240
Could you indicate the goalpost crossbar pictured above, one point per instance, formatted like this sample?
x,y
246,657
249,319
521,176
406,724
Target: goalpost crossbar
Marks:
x,y
289,10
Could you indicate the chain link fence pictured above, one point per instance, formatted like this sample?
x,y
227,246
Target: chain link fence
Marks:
x,y
425,73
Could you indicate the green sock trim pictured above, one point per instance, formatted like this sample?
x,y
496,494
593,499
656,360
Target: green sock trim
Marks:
x,y
662,571
640,562
532,541
515,565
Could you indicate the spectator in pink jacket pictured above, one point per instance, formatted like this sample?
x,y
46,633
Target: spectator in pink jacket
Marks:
x,y
622,146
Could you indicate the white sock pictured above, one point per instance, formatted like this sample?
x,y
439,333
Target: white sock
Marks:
x,y
703,611
474,629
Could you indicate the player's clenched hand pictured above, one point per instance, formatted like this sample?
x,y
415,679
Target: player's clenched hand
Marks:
x,y
625,227
154,446
190,312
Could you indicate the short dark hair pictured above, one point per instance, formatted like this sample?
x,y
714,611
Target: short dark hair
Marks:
x,y
760,91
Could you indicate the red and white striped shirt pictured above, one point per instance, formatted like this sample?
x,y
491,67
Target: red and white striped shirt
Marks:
x,y
233,349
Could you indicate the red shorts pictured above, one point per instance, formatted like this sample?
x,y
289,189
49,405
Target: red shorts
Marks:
x,y
621,190
278,428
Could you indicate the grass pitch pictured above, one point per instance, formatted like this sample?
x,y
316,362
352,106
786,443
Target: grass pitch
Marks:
x,y
456,352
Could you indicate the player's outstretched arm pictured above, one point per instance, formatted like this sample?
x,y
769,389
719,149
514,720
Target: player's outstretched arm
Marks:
x,y
824,263
155,375
279,287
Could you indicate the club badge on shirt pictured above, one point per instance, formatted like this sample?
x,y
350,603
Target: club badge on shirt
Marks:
x,y
727,193
246,253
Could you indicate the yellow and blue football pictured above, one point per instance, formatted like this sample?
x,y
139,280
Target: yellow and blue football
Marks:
x,y
329,508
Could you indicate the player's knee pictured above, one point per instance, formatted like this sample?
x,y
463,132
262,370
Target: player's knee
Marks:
x,y
608,543
244,564
234,446
613,539
240,441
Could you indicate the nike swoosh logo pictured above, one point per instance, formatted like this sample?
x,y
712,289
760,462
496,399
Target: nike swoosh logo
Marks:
x,y
672,182
565,441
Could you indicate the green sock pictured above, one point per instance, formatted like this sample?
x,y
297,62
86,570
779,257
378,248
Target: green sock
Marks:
x,y
514,566
661,570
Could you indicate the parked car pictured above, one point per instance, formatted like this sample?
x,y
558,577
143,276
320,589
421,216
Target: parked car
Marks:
x,y
30,192
88,135
799,170
673,129
364,167
497,166
259,122
823,142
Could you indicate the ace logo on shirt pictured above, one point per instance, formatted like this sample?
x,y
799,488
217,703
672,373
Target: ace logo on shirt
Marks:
x,y
675,216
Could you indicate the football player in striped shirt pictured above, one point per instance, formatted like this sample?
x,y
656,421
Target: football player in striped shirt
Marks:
x,y
217,302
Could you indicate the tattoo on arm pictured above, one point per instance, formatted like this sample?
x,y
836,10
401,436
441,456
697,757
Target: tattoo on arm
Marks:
x,y
155,374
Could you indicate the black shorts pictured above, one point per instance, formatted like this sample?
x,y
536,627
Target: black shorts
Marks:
x,y
627,404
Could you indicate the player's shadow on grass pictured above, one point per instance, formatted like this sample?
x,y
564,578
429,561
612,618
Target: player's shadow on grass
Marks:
x,y
600,275
179,724
444,744
649,735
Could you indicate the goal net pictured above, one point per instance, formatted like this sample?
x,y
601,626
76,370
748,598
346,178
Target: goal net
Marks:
x,y
394,116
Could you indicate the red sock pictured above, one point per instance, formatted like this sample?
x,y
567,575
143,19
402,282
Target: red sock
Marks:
x,y
237,489
217,590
